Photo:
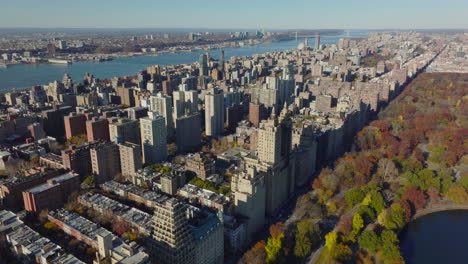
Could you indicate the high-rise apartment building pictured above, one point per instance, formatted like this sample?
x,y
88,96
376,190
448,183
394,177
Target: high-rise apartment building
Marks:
x,y
105,161
257,113
52,194
162,104
249,190
185,102
234,114
173,240
208,237
53,121
179,104
276,159
37,131
75,124
274,138
214,113
130,158
153,138
124,130
78,158
97,129
136,112
188,132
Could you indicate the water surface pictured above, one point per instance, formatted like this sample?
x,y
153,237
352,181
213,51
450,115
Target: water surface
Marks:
x,y
437,238
24,76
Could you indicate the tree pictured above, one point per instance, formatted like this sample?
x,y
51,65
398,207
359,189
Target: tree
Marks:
x,y
277,229
386,169
376,201
427,179
415,197
457,194
342,252
382,125
433,194
43,215
391,252
389,238
330,181
119,227
393,217
358,223
407,207
307,236
89,181
354,196
369,241
367,213
464,182
50,225
330,240
303,246
256,254
273,248
77,140
345,225
411,165
392,255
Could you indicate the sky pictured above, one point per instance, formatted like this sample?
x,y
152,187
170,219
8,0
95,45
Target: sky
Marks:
x,y
248,14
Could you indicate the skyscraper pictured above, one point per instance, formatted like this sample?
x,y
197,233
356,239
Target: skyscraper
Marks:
x,y
222,62
274,138
191,101
185,102
173,241
275,159
203,61
249,198
179,104
317,41
214,112
153,138
162,104
188,132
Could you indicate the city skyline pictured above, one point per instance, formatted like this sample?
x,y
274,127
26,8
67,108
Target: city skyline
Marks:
x,y
209,14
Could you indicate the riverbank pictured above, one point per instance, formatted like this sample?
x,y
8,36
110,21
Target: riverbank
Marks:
x,y
439,208
25,76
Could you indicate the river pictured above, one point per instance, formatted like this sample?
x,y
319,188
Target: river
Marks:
x,y
436,238
23,76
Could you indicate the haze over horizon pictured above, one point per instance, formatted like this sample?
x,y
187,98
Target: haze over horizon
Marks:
x,y
210,14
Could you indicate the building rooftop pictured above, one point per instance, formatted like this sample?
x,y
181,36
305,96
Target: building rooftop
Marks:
x,y
9,220
52,183
34,245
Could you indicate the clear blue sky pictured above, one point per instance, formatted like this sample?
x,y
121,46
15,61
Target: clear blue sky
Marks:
x,y
310,14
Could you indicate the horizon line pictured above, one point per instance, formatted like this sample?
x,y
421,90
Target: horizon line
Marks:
x,y
231,28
